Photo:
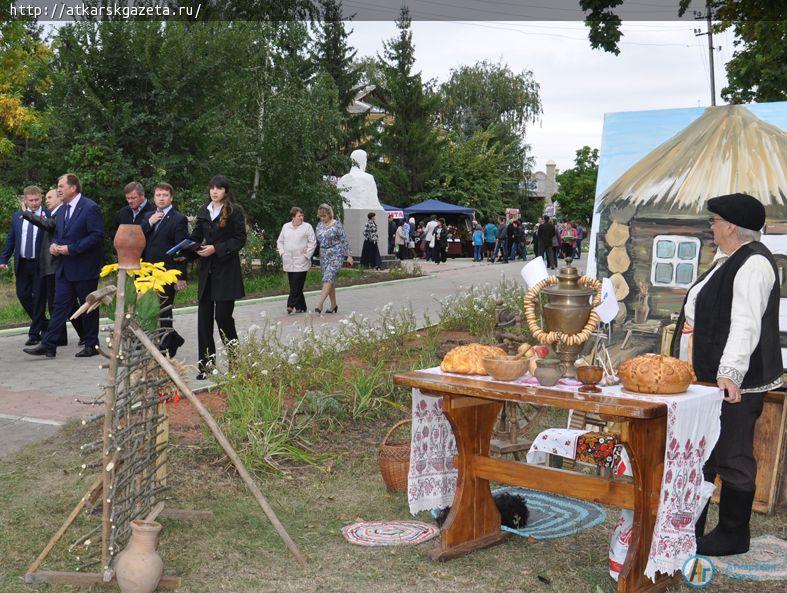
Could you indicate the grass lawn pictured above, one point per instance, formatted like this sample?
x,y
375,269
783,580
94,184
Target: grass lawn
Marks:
x,y
238,551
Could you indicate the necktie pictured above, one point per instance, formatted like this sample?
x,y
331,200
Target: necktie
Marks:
x,y
68,214
158,224
28,250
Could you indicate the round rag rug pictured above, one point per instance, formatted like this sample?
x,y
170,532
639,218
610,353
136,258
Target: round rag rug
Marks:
x,y
551,515
388,533
766,560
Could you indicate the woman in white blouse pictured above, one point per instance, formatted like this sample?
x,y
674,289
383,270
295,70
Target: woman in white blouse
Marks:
x,y
296,244
729,330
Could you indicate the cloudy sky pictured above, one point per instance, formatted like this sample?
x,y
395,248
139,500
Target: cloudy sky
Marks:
x,y
662,65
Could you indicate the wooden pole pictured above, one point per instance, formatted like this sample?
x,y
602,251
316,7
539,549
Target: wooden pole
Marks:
x,y
225,444
109,403
55,538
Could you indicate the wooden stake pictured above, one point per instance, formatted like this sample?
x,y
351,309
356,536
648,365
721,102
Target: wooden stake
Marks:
x,y
74,514
225,444
109,402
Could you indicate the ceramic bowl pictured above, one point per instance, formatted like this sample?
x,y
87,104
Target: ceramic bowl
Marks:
x,y
505,368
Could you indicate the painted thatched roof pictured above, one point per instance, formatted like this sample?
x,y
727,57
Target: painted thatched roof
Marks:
x,y
726,150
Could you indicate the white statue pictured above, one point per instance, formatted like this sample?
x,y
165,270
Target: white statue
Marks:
x,y
358,187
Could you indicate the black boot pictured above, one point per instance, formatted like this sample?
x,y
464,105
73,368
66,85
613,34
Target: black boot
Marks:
x,y
731,535
699,526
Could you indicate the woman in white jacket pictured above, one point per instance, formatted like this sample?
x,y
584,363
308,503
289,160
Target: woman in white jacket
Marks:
x,y
296,244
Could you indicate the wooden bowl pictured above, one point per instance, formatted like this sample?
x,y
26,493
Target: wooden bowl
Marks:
x,y
504,368
590,375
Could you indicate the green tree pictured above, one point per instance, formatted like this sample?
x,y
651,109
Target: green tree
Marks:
x,y
409,145
335,57
23,59
757,70
578,186
474,172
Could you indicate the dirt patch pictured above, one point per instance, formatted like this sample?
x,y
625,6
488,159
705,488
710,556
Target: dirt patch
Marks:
x,y
185,423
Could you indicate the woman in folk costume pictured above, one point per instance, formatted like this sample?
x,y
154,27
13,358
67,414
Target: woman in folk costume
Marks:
x,y
729,330
370,254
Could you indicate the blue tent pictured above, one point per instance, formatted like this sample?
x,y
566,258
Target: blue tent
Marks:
x,y
389,208
437,207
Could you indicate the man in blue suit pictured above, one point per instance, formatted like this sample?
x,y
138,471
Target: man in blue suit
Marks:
x,y
24,242
78,242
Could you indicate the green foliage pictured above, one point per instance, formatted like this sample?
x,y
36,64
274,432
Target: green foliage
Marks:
x,y
409,145
476,173
9,203
474,309
147,310
577,192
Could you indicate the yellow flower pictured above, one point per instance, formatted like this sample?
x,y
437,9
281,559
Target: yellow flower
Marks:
x,y
108,269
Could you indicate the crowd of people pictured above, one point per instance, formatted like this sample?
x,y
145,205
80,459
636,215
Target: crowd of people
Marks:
x,y
501,241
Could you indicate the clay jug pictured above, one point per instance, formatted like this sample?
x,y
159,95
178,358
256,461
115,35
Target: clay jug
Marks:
x,y
129,243
549,371
139,567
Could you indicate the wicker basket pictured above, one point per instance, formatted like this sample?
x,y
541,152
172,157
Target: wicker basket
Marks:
x,y
394,461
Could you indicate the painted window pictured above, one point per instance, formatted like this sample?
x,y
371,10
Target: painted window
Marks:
x,y
675,261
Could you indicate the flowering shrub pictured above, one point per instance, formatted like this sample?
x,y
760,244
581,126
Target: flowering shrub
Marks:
x,y
142,286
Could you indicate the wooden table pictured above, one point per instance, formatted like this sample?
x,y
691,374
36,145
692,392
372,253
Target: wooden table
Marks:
x,y
472,407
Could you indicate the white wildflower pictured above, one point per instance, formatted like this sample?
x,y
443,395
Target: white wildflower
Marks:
x,y
265,372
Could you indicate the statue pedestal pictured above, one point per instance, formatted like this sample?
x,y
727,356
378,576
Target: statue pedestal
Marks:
x,y
355,220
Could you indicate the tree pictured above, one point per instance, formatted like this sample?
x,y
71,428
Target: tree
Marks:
x,y
23,58
334,57
409,146
577,192
756,71
474,172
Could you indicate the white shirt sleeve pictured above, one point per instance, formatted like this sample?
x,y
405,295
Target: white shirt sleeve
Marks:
x,y
750,290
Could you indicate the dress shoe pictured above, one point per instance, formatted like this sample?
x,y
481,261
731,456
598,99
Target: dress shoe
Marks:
x,y
81,342
86,352
32,341
202,376
40,350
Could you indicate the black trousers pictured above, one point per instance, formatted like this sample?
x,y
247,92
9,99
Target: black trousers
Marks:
x,y
172,339
30,292
207,311
49,287
732,458
296,300
66,295
551,261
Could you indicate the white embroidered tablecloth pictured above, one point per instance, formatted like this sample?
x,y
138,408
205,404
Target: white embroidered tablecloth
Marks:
x,y
692,431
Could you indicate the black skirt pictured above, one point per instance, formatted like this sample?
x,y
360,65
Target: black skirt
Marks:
x,y
370,255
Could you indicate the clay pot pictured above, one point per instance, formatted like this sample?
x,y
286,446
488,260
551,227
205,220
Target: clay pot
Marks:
x,y
549,371
139,567
129,243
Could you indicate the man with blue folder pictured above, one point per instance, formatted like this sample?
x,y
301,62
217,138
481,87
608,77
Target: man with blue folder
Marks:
x,y
78,242
24,242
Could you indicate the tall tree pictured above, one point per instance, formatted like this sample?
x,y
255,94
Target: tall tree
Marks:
x,y
577,192
335,57
756,71
409,145
23,59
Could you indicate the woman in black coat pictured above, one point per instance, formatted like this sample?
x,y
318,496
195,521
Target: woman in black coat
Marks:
x,y
221,231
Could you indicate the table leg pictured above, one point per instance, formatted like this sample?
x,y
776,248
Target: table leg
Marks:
x,y
474,521
646,441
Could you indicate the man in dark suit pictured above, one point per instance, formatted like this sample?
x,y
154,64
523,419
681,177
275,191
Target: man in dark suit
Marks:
x,y
78,242
24,242
47,263
138,208
164,229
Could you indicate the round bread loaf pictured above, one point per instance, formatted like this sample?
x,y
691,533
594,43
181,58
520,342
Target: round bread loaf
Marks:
x,y
657,374
467,359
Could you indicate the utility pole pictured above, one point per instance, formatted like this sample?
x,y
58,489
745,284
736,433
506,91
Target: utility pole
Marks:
x,y
697,32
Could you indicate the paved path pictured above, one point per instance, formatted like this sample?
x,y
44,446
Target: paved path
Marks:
x,y
37,395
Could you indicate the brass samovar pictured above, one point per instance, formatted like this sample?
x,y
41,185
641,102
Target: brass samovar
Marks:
x,y
568,313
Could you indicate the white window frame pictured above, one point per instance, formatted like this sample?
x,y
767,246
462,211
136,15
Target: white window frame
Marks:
x,y
674,260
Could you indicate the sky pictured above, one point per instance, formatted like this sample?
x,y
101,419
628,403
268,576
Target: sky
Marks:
x,y
662,65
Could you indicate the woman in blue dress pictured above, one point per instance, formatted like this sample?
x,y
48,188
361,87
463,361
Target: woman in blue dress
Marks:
x,y
334,250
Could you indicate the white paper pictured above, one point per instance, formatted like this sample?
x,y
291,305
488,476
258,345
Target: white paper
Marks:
x,y
609,307
535,271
